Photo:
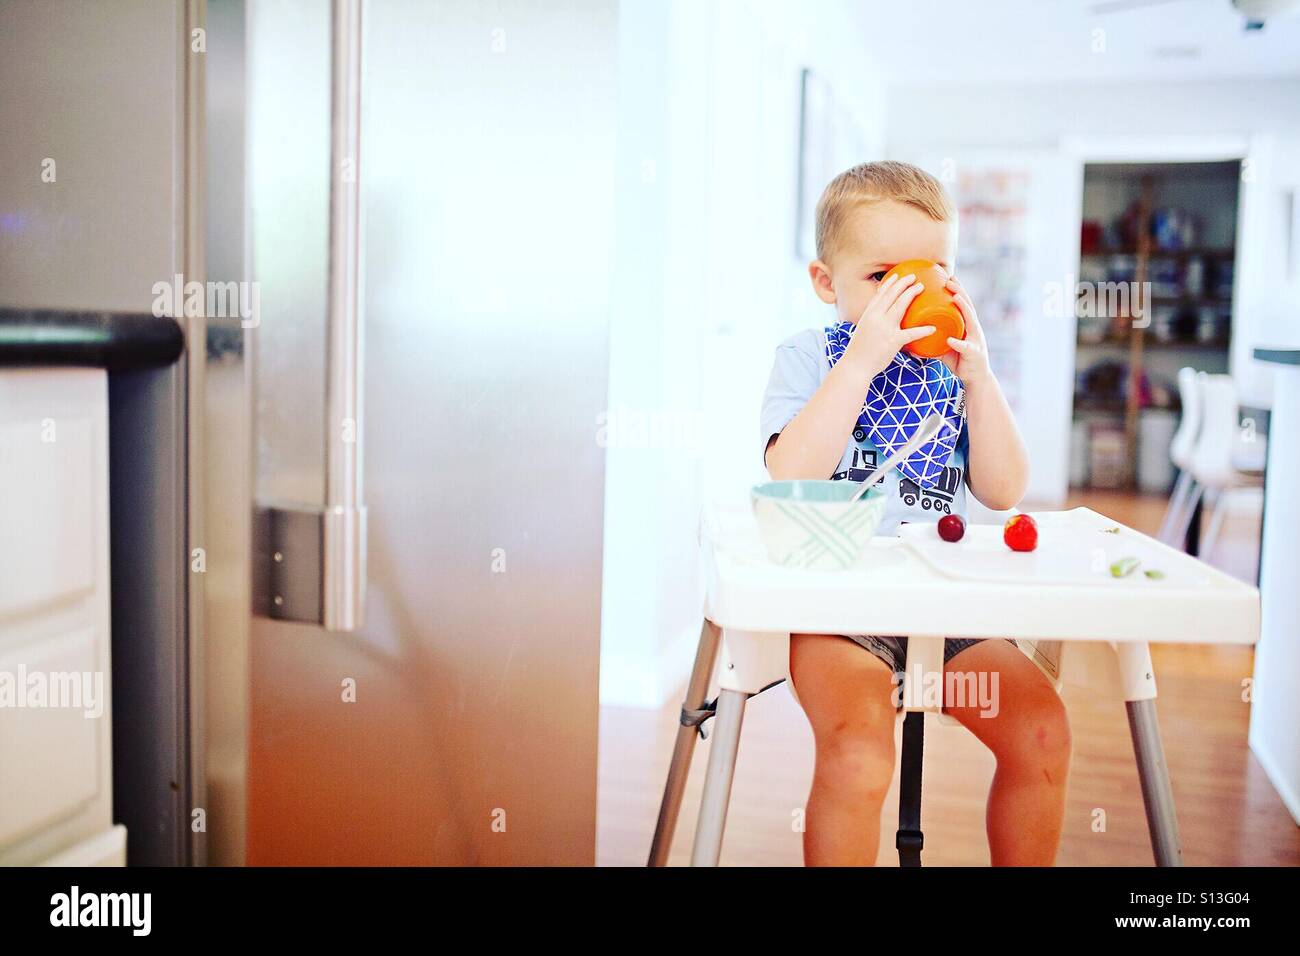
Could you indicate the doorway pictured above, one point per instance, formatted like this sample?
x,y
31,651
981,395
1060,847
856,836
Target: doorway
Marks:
x,y
1157,267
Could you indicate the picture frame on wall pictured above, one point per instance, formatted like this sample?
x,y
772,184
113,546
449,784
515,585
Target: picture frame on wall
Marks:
x,y
1293,234
830,141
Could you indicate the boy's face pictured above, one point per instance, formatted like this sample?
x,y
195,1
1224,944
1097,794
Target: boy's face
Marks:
x,y
876,238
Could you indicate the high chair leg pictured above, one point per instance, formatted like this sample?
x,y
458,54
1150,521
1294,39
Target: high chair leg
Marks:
x,y
1173,512
1139,686
1182,527
697,696
718,777
1153,774
1219,512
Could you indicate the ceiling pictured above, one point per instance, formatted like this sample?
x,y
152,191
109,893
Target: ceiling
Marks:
x,y
994,41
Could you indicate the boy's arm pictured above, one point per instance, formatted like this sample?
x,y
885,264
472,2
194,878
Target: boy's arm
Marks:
x,y
998,461
812,444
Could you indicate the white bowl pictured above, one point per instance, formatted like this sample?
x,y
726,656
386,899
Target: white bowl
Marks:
x,y
812,524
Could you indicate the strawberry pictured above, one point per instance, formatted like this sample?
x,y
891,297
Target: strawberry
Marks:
x,y
1020,533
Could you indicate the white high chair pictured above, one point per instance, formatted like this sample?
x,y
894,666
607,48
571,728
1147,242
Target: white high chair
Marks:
x,y
751,667
748,670
1065,598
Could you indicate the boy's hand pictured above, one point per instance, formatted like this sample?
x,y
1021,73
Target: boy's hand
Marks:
x,y
877,337
971,361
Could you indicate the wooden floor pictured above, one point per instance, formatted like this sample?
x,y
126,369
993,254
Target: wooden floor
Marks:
x,y
1228,811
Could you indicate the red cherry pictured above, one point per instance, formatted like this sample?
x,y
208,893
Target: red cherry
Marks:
x,y
952,527
1020,533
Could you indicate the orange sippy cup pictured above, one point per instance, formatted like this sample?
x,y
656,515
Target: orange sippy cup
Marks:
x,y
934,306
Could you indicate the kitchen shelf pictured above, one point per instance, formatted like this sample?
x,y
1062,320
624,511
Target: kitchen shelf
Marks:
x,y
1117,406
1225,253
1218,345
1188,290
1191,300
1095,407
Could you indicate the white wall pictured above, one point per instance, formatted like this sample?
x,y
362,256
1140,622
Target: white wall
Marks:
x,y
1275,710
1044,352
1264,112
706,285
707,280
90,207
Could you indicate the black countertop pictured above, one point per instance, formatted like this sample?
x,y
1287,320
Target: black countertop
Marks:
x,y
1283,356
117,341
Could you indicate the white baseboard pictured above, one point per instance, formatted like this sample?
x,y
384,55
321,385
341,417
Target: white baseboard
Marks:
x,y
650,684
1290,799
675,663
103,849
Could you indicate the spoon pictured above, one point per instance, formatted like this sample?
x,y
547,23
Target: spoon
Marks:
x,y
928,430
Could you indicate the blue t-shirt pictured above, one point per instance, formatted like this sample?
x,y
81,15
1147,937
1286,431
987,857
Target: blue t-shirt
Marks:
x,y
798,370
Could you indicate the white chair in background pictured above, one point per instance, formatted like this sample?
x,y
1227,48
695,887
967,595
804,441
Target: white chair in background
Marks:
x,y
1251,451
1182,503
1226,462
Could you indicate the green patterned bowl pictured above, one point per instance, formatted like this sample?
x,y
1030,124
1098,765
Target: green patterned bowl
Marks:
x,y
813,524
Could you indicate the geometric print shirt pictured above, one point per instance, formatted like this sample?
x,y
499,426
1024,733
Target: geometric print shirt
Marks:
x,y
798,369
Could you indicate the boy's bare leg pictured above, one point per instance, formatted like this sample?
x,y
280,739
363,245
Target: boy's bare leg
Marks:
x,y
1030,737
845,691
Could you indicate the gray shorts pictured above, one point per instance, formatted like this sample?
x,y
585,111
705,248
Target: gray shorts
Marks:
x,y
893,650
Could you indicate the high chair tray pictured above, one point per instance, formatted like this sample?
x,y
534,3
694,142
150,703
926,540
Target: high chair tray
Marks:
x,y
1073,549
918,585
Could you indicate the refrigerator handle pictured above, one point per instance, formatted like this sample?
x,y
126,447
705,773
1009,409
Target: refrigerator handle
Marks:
x,y
343,583
309,561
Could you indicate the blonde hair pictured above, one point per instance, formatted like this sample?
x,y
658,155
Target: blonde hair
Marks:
x,y
871,183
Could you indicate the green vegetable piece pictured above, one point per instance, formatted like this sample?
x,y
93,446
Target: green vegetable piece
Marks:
x,y
1153,574
1123,567
1114,530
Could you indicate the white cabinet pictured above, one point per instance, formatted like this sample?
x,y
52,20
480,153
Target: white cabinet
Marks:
x,y
56,782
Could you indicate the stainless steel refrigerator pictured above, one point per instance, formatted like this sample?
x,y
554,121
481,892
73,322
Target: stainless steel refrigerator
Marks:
x,y
424,190
370,631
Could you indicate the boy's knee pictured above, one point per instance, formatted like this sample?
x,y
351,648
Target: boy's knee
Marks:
x,y
1044,738
857,758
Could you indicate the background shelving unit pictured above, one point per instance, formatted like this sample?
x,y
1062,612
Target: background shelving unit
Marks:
x,y
1172,225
